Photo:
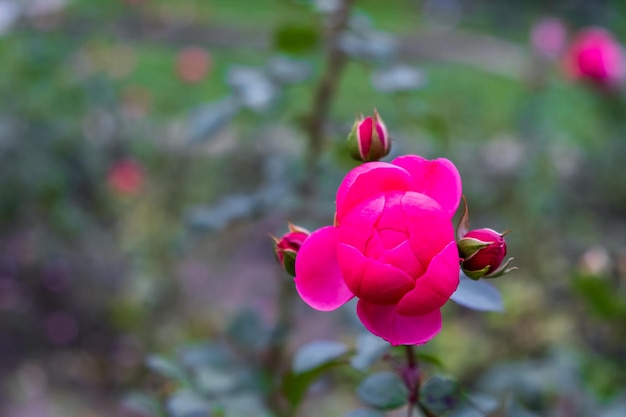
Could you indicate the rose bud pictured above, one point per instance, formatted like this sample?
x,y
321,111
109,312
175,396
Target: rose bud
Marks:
x,y
482,252
369,140
286,248
596,56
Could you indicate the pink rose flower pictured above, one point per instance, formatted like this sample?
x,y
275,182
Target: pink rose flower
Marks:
x,y
392,247
596,56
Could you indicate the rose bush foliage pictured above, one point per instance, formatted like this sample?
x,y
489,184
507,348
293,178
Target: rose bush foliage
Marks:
x,y
392,246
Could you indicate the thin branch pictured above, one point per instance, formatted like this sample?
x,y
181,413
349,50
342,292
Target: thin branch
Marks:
x,y
324,95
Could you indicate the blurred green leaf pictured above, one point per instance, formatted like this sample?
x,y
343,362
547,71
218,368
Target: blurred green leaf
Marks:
x,y
317,353
209,119
364,412
294,385
440,394
600,296
296,37
186,403
167,368
383,391
311,361
369,349
244,404
477,295
144,403
432,359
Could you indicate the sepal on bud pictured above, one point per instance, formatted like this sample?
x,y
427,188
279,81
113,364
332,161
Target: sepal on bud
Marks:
x,y
369,140
286,248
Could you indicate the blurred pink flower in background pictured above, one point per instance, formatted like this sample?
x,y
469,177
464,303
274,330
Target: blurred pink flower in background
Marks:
x,y
126,177
548,37
595,55
392,246
193,64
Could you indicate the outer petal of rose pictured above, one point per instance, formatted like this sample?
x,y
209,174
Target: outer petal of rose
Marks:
x,y
370,279
384,321
369,180
318,278
438,179
435,287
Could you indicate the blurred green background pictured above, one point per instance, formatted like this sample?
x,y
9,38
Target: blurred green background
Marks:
x,y
148,148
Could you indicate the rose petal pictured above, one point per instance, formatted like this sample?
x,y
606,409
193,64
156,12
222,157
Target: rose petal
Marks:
x,y
429,229
434,288
367,181
392,215
384,321
371,280
318,278
402,257
438,179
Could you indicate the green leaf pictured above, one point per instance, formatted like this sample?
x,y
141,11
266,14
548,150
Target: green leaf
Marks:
x,y
244,404
295,385
477,295
144,404
296,37
440,394
432,359
311,361
601,297
369,349
383,391
364,412
186,403
316,354
166,368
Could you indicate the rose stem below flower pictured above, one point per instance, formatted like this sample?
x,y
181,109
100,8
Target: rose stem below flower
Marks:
x,y
412,378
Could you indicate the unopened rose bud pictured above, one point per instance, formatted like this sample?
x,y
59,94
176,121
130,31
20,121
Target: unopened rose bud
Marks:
x,y
286,248
369,140
482,252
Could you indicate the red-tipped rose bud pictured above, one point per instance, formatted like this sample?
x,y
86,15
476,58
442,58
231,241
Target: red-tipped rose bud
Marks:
x,y
368,140
482,252
286,248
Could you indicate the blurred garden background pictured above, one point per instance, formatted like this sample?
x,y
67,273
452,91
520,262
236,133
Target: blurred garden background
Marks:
x,y
148,148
